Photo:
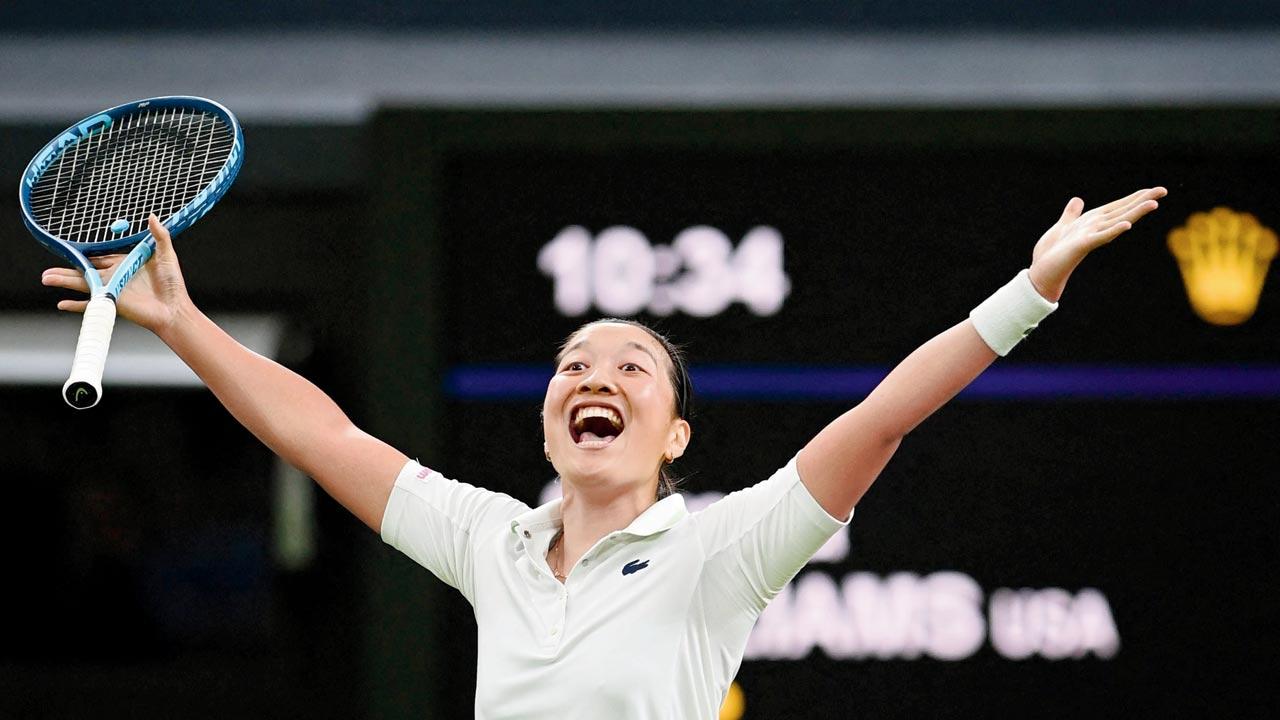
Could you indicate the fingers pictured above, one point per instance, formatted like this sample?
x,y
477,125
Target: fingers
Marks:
x,y
1122,206
1124,213
1123,210
58,271
1135,212
64,278
1072,211
68,279
73,279
1110,232
164,243
1138,205
1121,203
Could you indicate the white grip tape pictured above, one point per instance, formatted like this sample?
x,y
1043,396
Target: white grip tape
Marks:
x,y
91,349
1011,313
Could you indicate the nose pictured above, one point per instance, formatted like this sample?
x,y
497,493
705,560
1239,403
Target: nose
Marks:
x,y
598,382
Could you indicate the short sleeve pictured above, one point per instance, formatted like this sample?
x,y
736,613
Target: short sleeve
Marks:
x,y
757,539
437,522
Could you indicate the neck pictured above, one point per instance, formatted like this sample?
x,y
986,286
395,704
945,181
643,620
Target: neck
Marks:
x,y
589,515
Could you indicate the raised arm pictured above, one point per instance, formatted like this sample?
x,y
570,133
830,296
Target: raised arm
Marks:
x,y
293,417
842,461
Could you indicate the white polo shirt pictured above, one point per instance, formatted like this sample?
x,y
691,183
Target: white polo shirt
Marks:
x,y
650,624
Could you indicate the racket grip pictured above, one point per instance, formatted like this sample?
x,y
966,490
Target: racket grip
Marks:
x,y
84,388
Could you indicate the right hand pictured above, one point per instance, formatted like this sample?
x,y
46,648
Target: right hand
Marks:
x,y
154,298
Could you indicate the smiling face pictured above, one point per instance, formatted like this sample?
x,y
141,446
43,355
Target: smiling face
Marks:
x,y
609,416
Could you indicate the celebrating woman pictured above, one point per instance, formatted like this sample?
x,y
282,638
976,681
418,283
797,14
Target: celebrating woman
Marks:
x,y
613,601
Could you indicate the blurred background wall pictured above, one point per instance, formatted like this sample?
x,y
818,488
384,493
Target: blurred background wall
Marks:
x,y
1087,533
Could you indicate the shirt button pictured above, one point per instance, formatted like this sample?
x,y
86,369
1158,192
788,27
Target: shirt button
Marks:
x,y
586,563
555,631
527,534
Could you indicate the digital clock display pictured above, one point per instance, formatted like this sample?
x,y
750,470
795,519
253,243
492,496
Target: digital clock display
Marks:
x,y
620,272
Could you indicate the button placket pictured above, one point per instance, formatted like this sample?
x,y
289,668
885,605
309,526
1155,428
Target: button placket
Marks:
x,y
557,626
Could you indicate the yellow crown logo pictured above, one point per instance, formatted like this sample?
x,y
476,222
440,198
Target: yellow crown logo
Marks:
x,y
1223,256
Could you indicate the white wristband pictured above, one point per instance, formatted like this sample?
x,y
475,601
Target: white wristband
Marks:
x,y
1011,313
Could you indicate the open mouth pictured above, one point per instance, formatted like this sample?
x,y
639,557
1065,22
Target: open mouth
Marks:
x,y
594,426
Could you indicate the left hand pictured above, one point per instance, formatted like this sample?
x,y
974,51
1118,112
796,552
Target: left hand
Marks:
x,y
1075,235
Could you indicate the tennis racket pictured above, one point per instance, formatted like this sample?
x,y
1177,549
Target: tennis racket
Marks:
x,y
90,190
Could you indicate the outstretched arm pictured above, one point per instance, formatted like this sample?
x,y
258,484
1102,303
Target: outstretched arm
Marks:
x,y
294,418
842,461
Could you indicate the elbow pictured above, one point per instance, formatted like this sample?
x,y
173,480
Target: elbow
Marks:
x,y
890,438
321,451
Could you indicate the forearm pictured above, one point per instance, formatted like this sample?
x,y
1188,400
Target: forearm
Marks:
x,y
281,408
842,461
945,365
847,456
289,414
926,380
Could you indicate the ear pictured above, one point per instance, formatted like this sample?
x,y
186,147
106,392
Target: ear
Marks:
x,y
679,437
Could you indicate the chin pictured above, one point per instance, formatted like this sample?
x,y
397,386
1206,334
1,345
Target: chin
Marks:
x,y
597,466
594,466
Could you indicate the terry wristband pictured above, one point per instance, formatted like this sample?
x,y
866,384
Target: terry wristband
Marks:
x,y
1010,314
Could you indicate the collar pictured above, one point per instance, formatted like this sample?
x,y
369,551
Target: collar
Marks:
x,y
660,516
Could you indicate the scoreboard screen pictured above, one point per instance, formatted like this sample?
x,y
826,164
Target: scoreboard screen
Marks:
x,y
1086,532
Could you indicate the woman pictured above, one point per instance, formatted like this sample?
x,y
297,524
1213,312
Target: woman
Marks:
x,y
613,602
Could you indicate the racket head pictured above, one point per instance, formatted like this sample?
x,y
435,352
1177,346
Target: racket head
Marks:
x,y
102,160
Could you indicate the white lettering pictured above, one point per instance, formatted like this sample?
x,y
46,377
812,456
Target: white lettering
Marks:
x,y
1098,632
903,616
701,273
1052,623
956,625
819,620
888,614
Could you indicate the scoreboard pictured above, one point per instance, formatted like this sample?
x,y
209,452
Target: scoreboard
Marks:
x,y
1086,532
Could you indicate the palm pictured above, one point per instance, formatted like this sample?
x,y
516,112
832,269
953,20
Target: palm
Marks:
x,y
1077,233
148,298
152,297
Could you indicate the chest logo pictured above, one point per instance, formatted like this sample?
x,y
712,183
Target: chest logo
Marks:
x,y
634,566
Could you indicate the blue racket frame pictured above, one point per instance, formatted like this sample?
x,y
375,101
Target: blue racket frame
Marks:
x,y
83,388
142,242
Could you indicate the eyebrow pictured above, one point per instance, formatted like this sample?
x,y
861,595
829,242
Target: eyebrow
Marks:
x,y
629,343
643,349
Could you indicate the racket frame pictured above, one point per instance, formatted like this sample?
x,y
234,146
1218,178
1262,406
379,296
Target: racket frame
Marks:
x,y
84,388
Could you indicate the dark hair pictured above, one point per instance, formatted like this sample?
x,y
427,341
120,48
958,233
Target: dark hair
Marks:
x,y
679,377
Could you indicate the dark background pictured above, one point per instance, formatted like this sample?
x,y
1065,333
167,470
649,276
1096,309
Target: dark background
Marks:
x,y
713,15
136,537
892,234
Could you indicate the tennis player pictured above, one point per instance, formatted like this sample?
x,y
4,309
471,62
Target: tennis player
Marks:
x,y
613,602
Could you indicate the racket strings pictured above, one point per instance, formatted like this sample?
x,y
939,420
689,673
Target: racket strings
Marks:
x,y
149,153
155,161
168,180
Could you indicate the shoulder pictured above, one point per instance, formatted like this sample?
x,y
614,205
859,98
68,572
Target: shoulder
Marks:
x,y
422,494
781,500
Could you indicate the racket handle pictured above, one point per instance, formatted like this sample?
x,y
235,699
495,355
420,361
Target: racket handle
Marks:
x,y
84,388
